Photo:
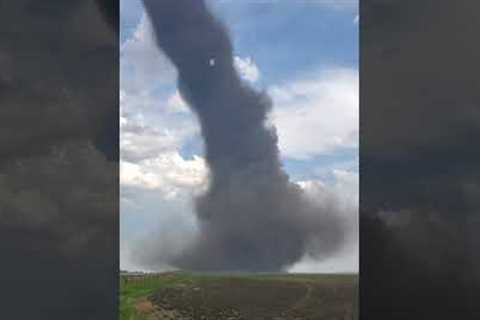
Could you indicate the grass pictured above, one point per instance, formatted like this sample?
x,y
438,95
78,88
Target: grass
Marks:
x,y
131,291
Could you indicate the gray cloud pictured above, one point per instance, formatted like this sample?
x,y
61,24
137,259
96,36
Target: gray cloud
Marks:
x,y
252,218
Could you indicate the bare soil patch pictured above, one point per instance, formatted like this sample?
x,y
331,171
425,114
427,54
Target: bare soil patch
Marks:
x,y
239,298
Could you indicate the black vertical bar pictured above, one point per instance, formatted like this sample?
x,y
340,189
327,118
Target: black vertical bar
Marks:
x,y
58,159
419,160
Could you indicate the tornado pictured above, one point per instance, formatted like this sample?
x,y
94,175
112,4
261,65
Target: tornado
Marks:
x,y
252,218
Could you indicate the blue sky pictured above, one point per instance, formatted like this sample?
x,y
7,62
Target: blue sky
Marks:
x,y
304,54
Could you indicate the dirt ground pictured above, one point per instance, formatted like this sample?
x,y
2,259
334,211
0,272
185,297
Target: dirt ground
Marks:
x,y
252,299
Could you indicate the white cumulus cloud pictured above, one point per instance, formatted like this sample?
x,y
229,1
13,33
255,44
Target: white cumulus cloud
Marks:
x,y
169,173
247,68
317,115
142,65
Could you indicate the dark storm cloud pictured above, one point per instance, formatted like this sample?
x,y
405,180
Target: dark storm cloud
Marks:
x,y
58,200
420,185
110,11
252,218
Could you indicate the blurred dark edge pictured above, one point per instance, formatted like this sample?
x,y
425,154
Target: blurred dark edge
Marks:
x,y
59,151
419,160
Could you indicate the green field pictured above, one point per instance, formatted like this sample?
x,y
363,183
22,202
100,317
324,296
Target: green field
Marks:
x,y
181,295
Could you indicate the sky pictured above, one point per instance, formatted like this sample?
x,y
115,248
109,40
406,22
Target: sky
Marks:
x,y
304,54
